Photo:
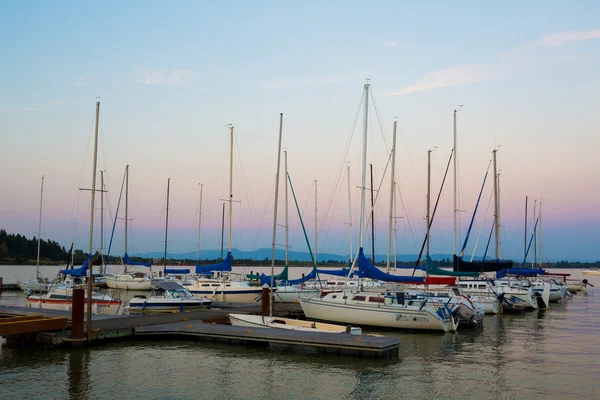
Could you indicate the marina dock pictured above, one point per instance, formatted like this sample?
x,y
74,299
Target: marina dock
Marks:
x,y
207,325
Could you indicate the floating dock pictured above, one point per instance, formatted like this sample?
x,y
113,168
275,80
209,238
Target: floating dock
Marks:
x,y
206,325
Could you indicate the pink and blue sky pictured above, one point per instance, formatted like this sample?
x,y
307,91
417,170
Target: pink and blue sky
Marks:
x,y
170,76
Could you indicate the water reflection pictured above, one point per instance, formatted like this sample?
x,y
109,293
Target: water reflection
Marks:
x,y
78,375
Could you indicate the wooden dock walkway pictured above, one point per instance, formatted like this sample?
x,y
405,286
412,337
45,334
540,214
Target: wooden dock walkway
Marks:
x,y
360,345
200,325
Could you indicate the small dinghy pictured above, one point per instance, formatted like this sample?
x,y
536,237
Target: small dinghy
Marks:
x,y
168,296
258,321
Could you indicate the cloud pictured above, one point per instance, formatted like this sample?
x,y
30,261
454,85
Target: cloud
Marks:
x,y
560,38
292,83
163,77
47,106
79,82
453,76
391,43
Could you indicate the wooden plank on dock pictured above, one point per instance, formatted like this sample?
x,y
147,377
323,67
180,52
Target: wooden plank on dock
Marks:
x,y
32,325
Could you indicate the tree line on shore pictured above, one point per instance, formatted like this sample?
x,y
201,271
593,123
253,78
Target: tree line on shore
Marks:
x,y
18,249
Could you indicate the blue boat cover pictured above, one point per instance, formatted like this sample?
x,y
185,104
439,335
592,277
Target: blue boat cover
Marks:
x,y
224,265
127,261
519,271
311,275
433,269
266,280
336,272
176,271
368,270
81,271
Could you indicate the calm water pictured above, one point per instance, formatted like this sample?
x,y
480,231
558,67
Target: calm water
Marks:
x,y
554,354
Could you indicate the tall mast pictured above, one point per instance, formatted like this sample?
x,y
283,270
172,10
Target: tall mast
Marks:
x,y
287,227
89,271
315,246
428,216
271,301
167,222
199,222
39,235
391,216
455,180
230,186
126,209
222,229
534,260
372,216
496,216
540,233
363,183
525,237
101,222
350,215
499,218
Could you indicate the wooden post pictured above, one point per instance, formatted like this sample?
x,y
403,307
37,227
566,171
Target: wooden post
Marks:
x,y
77,311
265,303
0,286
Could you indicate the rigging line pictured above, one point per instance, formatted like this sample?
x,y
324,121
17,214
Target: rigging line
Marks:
x,y
407,212
340,170
462,250
387,148
249,199
322,238
433,214
481,226
262,218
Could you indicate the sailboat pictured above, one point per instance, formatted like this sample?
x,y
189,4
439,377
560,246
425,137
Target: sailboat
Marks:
x,y
389,310
224,289
60,296
485,265
134,280
39,283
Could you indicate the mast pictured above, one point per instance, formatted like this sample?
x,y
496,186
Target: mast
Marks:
x,y
101,222
271,301
499,226
287,227
525,237
222,230
372,216
230,186
391,214
496,211
167,222
428,216
540,234
455,180
534,260
199,223
126,204
315,246
39,235
364,164
89,271
350,215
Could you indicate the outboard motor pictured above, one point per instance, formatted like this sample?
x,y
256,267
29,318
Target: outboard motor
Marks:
x,y
537,297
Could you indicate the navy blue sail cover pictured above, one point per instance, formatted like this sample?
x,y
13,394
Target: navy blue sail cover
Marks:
x,y
127,261
223,266
368,270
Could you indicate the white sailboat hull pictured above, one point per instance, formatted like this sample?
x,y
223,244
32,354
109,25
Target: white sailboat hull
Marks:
x,y
98,306
127,282
232,292
291,294
398,317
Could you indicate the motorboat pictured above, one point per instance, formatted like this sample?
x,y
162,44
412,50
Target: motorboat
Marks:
x,y
168,296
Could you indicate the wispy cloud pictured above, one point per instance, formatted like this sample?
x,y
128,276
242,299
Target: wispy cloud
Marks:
x,y
163,77
46,106
391,43
505,63
560,38
79,82
453,76
292,83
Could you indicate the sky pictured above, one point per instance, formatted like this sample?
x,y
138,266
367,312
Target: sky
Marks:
x,y
171,76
